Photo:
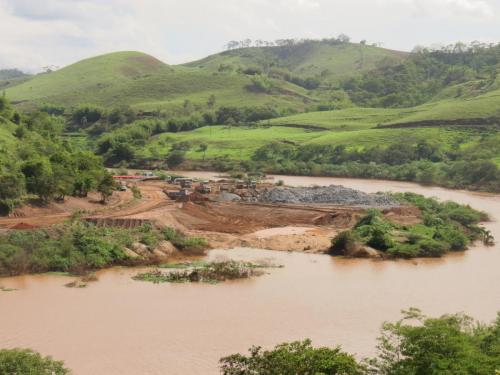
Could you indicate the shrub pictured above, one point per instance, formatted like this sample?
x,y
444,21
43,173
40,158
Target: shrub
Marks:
x,y
405,250
432,248
183,242
456,239
342,243
12,259
28,362
175,158
136,192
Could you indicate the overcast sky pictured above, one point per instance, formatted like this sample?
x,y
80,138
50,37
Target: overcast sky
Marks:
x,y
37,33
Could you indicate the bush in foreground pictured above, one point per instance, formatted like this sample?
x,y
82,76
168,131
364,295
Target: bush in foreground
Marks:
x,y
414,345
291,358
28,362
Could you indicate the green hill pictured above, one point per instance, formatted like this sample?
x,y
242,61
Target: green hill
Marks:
x,y
144,82
12,77
322,59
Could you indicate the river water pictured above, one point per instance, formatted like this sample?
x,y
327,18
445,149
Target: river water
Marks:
x,y
125,327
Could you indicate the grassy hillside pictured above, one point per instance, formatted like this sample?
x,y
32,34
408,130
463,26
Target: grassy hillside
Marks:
x,y
142,81
482,107
314,58
12,77
240,143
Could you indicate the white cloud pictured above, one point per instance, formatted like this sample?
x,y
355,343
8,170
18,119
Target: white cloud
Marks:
x,y
440,8
35,33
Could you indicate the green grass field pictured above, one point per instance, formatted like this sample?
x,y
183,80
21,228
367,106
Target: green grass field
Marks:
x,y
345,119
239,143
482,106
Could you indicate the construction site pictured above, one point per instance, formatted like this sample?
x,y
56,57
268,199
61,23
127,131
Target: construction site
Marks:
x,y
227,212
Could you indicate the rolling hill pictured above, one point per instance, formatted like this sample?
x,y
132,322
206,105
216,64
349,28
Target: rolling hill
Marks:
x,y
435,104
12,77
329,61
142,81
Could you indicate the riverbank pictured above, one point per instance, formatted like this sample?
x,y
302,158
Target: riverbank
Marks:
x,y
333,301
152,228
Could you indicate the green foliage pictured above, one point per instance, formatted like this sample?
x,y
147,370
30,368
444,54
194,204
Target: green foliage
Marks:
x,y
414,345
342,243
422,76
28,362
451,344
12,187
175,158
183,242
206,272
79,246
291,358
136,192
44,164
106,186
446,226
261,83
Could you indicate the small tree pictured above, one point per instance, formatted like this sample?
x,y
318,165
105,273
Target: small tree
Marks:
x,y
11,188
175,158
39,178
203,148
106,187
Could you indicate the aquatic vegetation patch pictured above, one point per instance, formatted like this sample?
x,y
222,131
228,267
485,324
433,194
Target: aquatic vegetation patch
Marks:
x,y
5,289
206,272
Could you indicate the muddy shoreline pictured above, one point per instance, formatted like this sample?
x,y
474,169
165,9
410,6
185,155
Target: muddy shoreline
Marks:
x,y
223,224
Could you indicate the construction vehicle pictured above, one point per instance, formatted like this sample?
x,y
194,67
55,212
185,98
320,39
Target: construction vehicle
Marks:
x,y
177,194
204,187
184,182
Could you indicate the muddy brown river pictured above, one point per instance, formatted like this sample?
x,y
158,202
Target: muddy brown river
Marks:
x,y
125,327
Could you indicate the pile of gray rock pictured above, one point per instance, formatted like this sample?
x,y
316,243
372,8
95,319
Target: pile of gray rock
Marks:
x,y
333,194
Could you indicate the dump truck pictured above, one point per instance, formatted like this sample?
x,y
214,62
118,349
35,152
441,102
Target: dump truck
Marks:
x,y
204,187
177,194
184,182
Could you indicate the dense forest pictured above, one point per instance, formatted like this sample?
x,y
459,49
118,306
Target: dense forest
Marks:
x,y
40,162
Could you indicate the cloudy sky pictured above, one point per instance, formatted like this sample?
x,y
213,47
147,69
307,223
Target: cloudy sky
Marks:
x,y
35,33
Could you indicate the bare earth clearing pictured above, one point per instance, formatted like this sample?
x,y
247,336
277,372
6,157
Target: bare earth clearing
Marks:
x,y
274,226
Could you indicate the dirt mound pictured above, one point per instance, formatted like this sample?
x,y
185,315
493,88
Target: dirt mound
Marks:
x,y
23,226
332,194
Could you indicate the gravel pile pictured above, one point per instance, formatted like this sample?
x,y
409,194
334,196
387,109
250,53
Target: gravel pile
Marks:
x,y
227,197
332,194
